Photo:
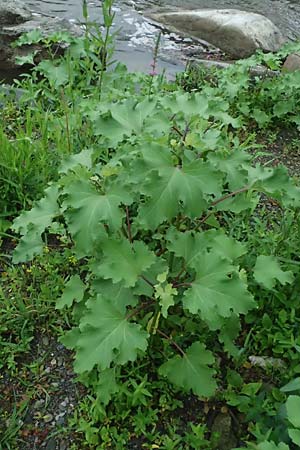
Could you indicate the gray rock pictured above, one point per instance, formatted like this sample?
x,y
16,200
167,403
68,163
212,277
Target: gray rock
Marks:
x,y
223,426
51,444
292,63
13,12
15,20
237,33
260,71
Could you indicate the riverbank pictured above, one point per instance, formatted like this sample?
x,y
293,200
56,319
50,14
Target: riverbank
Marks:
x,y
149,258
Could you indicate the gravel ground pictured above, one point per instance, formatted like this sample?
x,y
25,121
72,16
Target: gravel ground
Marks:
x,y
45,382
282,151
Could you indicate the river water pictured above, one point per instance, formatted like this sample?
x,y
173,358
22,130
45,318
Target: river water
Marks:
x,y
136,35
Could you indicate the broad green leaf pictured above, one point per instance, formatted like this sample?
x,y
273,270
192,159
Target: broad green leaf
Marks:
x,y
282,108
74,291
126,118
272,446
189,104
106,386
124,261
116,292
41,215
28,247
293,408
106,336
267,445
26,59
192,371
142,286
233,165
32,37
267,271
275,182
58,75
157,123
228,333
190,185
239,202
217,291
261,117
83,158
190,245
228,247
108,127
131,115
90,209
292,386
295,436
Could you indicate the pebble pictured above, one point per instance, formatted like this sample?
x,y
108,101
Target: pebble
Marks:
x,y
48,418
45,341
60,419
60,361
63,445
39,404
51,444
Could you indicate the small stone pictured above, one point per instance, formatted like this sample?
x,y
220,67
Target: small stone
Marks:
x,y
48,418
53,362
45,341
63,445
292,63
60,419
60,361
39,404
51,444
223,426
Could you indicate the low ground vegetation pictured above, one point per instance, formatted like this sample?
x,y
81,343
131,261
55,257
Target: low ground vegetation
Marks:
x,y
149,256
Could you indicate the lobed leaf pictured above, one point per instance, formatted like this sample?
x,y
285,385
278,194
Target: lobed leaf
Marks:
x,y
74,291
124,261
267,271
106,336
192,371
217,291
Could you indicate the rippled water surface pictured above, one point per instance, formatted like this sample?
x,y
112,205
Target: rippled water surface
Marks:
x,y
137,35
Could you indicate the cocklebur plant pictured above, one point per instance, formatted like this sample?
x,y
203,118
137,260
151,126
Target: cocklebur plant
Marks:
x,y
160,275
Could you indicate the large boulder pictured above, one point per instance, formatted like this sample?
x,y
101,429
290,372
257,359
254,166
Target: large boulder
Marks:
x,y
15,20
237,33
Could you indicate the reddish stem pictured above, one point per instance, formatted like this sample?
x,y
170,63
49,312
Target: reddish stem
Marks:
x,y
171,341
128,225
222,199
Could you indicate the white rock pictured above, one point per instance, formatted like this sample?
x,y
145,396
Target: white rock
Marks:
x,y
237,33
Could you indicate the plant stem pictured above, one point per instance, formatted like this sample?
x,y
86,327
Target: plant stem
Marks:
x,y
65,107
171,341
222,199
128,225
147,281
140,308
